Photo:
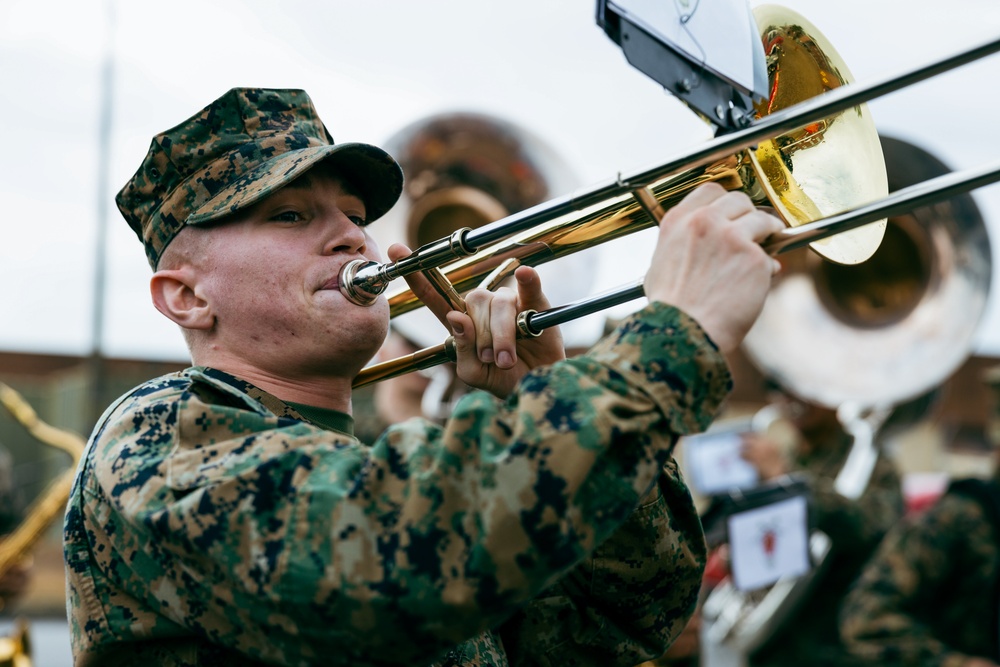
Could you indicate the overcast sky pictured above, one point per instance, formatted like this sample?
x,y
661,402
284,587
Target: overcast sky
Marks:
x,y
372,67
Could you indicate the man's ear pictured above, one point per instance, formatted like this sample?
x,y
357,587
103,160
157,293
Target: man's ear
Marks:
x,y
175,294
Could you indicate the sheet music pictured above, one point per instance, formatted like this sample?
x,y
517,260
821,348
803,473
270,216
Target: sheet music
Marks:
x,y
768,543
714,463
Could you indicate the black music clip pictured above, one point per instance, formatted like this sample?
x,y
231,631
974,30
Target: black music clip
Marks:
x,y
716,75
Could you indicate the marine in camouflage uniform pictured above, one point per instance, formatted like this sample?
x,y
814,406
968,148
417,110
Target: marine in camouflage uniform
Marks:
x,y
855,528
809,635
931,594
212,523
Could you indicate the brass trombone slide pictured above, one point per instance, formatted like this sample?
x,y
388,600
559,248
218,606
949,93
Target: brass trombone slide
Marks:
x,y
531,323
363,281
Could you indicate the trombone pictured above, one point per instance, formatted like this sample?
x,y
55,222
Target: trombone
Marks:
x,y
533,323
637,201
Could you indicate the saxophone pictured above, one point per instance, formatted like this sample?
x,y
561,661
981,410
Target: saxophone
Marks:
x,y
15,650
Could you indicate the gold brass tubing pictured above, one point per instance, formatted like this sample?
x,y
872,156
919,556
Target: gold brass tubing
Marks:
x,y
608,220
491,282
447,291
419,360
429,356
437,354
500,274
912,197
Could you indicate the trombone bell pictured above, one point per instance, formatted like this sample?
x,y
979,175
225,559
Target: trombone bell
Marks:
x,y
827,166
890,329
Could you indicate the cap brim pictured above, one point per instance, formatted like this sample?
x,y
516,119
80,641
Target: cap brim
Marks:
x,y
370,170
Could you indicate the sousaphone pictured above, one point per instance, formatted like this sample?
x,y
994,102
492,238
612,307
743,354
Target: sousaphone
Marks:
x,y
867,340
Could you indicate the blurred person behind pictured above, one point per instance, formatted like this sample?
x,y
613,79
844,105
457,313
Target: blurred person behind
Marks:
x,y
931,593
808,442
854,525
853,324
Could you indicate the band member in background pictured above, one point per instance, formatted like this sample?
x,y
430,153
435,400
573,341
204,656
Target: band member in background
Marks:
x,y
816,451
854,525
226,515
931,593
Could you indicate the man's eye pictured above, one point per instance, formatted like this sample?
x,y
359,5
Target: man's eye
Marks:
x,y
359,220
287,216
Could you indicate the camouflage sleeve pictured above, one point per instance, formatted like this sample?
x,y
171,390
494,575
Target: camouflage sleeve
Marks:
x,y
629,600
857,525
885,617
287,542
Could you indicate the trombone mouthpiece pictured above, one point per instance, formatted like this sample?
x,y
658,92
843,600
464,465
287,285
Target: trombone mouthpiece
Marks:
x,y
361,281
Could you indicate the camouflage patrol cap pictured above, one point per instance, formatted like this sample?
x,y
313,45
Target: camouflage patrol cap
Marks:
x,y
235,152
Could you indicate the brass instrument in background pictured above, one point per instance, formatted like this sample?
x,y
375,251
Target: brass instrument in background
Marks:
x,y
813,155
871,341
15,650
464,170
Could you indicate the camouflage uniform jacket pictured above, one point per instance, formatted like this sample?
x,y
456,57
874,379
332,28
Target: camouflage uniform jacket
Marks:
x,y
855,526
929,596
212,524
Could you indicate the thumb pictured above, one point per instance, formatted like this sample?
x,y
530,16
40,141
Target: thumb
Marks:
x,y
529,289
463,331
467,365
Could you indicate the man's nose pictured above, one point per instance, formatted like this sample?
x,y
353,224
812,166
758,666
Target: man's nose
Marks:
x,y
343,236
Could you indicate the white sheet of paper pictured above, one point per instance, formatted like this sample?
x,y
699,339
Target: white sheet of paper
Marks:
x,y
714,464
719,33
768,543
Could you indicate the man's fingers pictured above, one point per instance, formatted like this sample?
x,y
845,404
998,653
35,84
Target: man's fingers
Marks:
x,y
478,304
464,332
503,318
759,225
733,205
494,315
703,195
529,289
755,223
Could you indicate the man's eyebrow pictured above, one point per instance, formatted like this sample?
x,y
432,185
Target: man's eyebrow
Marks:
x,y
306,181
301,183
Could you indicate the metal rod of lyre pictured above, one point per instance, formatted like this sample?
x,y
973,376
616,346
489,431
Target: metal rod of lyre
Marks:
x,y
376,277
915,196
